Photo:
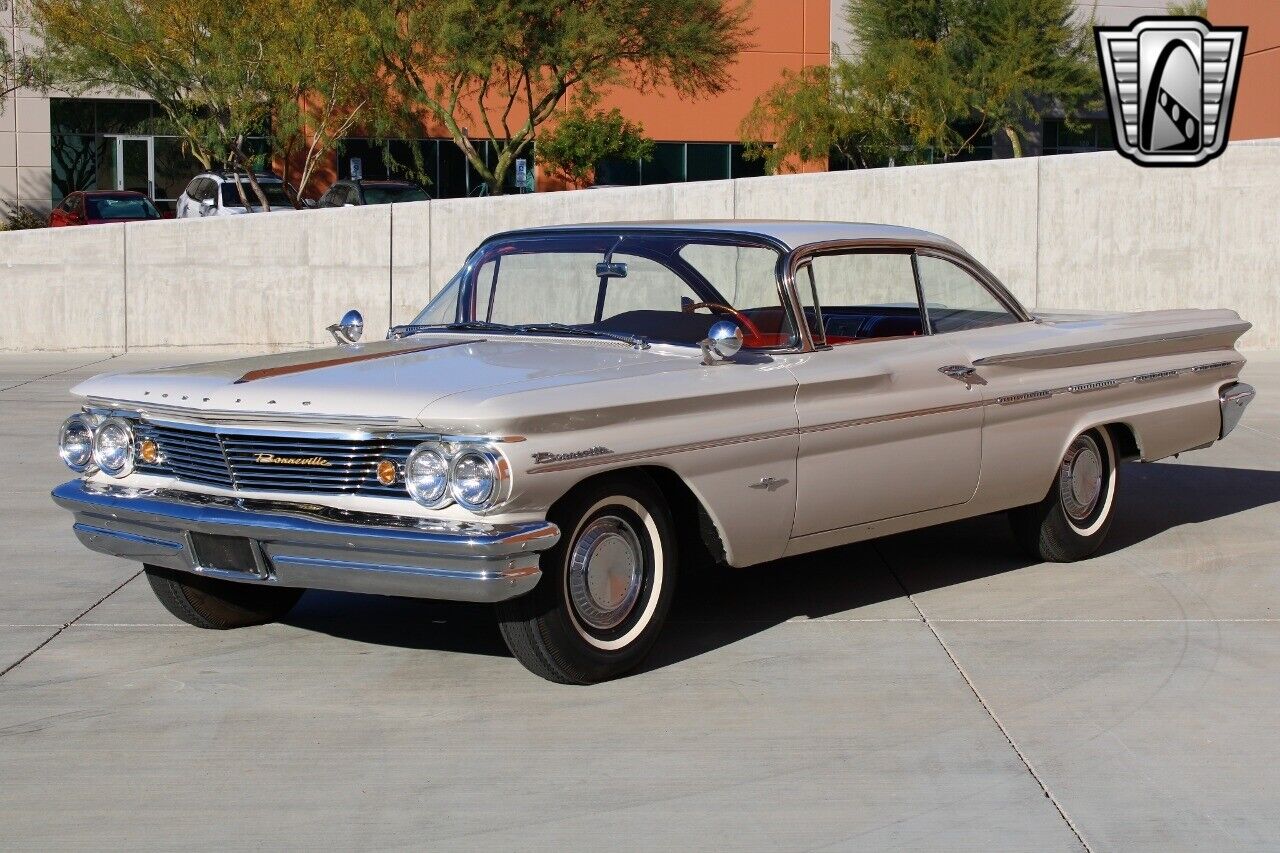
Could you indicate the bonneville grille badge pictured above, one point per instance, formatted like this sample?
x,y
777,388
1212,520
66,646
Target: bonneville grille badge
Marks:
x,y
1170,85
310,461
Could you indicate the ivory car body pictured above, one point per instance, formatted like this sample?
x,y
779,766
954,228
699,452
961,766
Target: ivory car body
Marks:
x,y
582,412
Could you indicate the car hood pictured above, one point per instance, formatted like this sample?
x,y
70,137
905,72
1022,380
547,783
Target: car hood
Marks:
x,y
387,380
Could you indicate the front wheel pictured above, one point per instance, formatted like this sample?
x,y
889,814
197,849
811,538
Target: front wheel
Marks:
x,y
217,604
606,586
1074,517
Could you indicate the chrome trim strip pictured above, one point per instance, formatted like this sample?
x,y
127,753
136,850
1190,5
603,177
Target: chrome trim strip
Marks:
x,y
1023,398
1100,385
1006,400
311,546
127,537
658,451
1103,384
282,426
1076,349
896,416
223,417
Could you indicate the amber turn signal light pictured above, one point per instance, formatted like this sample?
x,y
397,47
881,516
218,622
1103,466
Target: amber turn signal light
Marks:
x,y
148,452
388,471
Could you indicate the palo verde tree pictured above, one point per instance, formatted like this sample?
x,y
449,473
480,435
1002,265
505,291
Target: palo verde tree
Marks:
x,y
931,75
500,70
222,74
582,137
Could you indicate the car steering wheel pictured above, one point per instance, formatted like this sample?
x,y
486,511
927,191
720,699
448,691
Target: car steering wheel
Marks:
x,y
749,328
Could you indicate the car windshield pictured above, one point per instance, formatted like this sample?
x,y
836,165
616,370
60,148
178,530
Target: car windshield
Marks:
x,y
273,190
126,207
392,193
644,286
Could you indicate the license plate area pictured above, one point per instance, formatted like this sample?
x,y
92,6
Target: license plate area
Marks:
x,y
234,554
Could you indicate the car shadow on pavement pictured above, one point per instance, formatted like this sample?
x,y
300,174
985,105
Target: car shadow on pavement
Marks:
x,y
717,606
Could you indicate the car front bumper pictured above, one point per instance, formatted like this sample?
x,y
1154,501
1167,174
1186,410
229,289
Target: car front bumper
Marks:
x,y
305,545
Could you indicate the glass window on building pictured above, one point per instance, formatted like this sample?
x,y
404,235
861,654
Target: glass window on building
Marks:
x,y
1093,135
679,162
438,164
108,144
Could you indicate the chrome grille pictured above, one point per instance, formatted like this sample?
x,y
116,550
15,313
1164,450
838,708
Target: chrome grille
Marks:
x,y
231,460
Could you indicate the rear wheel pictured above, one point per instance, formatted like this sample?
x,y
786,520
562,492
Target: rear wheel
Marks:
x,y
606,586
217,604
1073,519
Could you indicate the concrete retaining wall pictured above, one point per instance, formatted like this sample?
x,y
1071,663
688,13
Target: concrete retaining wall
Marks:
x,y
1088,231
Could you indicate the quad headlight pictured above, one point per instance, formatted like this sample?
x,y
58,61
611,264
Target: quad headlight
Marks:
x,y
75,441
473,476
113,449
426,474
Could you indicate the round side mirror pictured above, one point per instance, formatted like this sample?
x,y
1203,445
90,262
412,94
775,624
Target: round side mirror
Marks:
x,y
349,329
722,343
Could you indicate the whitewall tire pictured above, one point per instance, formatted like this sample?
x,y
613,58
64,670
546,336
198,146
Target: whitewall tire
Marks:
x,y
605,589
1072,520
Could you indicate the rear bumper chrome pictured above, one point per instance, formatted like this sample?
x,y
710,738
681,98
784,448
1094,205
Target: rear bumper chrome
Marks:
x,y
1232,399
304,545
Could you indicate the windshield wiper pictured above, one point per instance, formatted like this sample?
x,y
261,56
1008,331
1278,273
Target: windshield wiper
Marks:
x,y
567,329
468,326
526,328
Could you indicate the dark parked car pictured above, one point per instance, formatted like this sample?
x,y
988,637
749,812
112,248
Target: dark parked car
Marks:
x,y
349,193
94,207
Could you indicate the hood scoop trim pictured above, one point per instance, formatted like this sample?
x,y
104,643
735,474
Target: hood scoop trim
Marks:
x,y
285,370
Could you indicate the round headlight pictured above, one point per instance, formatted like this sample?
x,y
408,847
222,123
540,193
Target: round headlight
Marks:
x,y
75,442
113,447
475,479
426,475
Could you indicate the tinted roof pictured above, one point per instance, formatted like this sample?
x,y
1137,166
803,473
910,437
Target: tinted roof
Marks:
x,y
790,233
112,194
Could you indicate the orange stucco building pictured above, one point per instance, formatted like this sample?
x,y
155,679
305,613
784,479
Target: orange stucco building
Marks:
x,y
696,139
1257,110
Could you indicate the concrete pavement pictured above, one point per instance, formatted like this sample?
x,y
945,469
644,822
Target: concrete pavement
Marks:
x,y
934,690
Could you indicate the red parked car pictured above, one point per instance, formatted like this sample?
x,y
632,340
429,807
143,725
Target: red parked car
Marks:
x,y
95,207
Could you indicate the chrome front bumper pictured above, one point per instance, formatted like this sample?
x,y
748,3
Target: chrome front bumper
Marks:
x,y
1231,400
304,545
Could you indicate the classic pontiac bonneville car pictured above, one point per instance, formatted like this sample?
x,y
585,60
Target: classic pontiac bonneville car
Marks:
x,y
583,412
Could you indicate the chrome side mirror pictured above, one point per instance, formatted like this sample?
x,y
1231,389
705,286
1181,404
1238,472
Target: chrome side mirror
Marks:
x,y
349,329
722,343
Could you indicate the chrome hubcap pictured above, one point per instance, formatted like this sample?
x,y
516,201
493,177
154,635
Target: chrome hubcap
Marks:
x,y
606,567
1080,478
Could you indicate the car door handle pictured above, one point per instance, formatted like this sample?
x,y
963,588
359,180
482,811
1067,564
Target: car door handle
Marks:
x,y
965,373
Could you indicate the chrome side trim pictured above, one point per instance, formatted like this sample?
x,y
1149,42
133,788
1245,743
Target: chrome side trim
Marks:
x,y
304,545
1024,397
1076,349
1005,400
1107,384
658,451
1156,376
896,416
1100,385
